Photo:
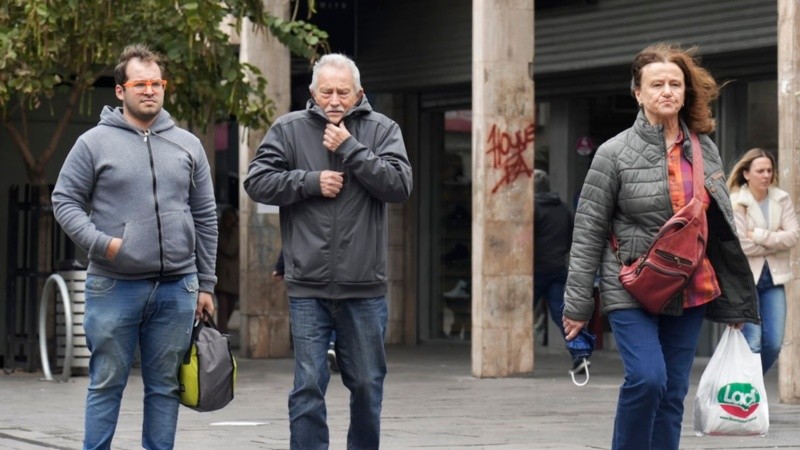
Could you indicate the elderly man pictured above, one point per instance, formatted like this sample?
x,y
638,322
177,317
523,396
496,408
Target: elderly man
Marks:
x,y
332,168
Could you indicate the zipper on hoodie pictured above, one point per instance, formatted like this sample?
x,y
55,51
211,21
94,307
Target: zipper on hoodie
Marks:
x,y
155,200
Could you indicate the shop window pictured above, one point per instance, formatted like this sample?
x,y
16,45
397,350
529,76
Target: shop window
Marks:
x,y
452,287
762,115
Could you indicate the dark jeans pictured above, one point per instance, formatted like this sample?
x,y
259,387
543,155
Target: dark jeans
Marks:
x,y
550,286
360,326
657,353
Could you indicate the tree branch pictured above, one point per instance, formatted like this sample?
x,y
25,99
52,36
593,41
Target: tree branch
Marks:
x,y
74,95
21,144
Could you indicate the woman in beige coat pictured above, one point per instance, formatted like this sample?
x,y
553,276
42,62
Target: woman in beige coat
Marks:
x,y
767,227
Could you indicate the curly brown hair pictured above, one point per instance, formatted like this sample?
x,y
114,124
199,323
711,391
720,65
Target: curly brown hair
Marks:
x,y
701,88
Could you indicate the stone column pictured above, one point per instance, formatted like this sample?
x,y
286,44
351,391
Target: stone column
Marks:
x,y
789,176
502,193
263,304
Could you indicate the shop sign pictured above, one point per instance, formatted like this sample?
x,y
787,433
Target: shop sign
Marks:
x,y
584,146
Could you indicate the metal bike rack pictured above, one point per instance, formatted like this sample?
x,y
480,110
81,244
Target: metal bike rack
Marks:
x,y
55,280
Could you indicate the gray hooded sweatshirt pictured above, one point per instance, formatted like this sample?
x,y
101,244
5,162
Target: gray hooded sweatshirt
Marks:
x,y
151,188
334,248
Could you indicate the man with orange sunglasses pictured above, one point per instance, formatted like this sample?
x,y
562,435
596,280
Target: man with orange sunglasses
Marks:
x,y
135,193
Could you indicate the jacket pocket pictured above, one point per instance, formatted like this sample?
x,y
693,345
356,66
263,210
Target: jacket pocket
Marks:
x,y
178,235
361,250
139,253
99,284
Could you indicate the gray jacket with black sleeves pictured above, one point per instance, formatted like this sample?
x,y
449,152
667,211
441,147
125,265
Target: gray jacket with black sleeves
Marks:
x,y
626,191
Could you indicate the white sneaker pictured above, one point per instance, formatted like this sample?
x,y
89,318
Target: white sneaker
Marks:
x,y
333,365
459,291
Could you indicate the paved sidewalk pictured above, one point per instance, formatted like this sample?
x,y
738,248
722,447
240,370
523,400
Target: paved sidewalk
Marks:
x,y
431,402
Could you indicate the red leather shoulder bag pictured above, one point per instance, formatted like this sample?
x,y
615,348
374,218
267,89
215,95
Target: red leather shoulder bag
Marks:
x,y
666,268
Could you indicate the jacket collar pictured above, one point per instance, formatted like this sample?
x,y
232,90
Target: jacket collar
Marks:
x,y
744,197
654,134
362,107
112,116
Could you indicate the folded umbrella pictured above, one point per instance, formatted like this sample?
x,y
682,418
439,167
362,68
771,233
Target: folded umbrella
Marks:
x,y
581,348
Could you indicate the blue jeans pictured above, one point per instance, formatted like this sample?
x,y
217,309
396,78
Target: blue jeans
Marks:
x,y
119,314
657,353
767,338
551,287
360,326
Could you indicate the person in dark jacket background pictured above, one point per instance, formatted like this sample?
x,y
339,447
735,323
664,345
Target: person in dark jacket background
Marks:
x,y
552,234
135,192
227,288
637,181
332,168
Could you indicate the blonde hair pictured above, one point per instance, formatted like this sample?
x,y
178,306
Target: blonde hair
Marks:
x,y
736,178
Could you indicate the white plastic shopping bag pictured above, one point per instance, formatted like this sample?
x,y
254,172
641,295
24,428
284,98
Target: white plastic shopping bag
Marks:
x,y
731,399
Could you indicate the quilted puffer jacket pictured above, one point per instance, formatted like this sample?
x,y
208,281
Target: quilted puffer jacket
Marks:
x,y
626,191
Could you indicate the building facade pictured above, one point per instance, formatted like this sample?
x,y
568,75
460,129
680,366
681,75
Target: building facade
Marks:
x,y
581,72
416,62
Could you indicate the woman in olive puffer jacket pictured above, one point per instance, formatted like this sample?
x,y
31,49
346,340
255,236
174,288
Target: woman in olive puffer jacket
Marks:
x,y
637,181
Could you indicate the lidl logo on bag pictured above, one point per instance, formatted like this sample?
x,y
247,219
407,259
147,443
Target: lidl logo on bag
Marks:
x,y
739,399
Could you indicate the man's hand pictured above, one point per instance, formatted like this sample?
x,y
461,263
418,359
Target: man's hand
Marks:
x,y
572,327
334,136
113,248
331,183
204,302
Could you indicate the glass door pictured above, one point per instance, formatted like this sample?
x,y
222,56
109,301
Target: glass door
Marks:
x,y
451,229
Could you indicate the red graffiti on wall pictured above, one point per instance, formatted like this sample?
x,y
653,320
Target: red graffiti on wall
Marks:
x,y
507,152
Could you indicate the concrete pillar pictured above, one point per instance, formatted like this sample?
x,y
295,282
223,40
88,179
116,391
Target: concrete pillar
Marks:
x,y
263,304
789,176
502,194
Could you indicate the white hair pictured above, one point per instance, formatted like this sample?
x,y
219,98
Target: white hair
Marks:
x,y
337,60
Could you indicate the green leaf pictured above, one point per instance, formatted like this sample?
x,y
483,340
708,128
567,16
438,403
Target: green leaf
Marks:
x,y
47,44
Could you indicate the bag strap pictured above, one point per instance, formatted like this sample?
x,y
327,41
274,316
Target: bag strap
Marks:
x,y
697,165
697,184
207,321
586,371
